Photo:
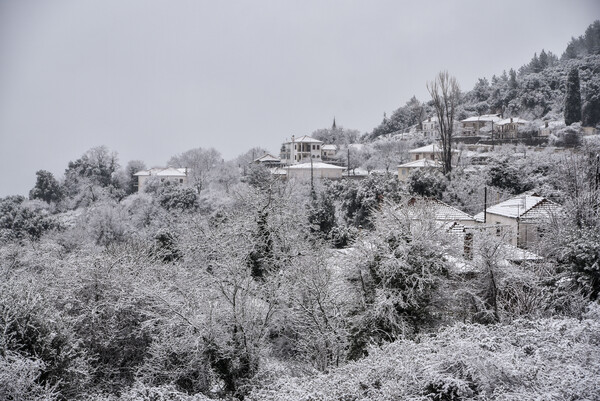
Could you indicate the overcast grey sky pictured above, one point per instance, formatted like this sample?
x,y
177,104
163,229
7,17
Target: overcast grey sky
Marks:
x,y
153,78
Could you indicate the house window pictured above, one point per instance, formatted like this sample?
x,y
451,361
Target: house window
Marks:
x,y
314,147
541,232
181,180
318,147
417,157
498,229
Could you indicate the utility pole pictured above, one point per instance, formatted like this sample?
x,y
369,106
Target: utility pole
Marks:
x,y
484,204
597,171
348,162
312,186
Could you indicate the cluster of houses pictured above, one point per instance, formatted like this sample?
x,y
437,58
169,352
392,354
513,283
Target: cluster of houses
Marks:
x,y
518,220
518,224
492,126
304,158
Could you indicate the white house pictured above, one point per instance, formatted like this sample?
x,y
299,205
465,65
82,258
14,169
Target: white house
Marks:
x,y
317,170
431,152
328,152
405,169
520,218
168,174
550,127
301,150
472,126
430,127
509,127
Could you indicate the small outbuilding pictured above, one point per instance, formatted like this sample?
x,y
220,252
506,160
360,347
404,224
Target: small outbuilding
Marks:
x,y
317,170
168,174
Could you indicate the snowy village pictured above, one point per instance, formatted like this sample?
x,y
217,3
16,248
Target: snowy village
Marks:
x,y
451,251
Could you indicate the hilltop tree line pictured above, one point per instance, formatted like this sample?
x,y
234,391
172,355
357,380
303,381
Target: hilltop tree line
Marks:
x,y
535,91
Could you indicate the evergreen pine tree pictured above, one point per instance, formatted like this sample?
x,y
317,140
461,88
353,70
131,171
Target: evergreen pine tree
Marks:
x,y
591,107
573,98
543,60
534,65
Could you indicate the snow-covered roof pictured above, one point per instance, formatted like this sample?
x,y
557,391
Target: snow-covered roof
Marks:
x,y
507,254
554,124
526,207
433,119
305,139
515,254
422,163
431,148
278,171
171,172
329,147
164,172
485,118
267,157
315,166
514,120
442,211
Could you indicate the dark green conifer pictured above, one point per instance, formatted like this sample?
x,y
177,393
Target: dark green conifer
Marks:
x,y
573,98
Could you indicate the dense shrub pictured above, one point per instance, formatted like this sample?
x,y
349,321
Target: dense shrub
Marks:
x,y
20,219
580,255
427,183
548,358
174,197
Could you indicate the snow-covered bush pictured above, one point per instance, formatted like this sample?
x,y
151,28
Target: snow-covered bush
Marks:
x,y
540,359
569,137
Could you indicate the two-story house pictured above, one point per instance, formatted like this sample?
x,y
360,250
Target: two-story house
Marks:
x,y
430,127
301,150
427,157
474,126
509,127
431,152
520,219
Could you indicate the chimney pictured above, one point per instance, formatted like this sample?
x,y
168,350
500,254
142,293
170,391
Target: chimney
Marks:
x,y
546,124
468,246
511,120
